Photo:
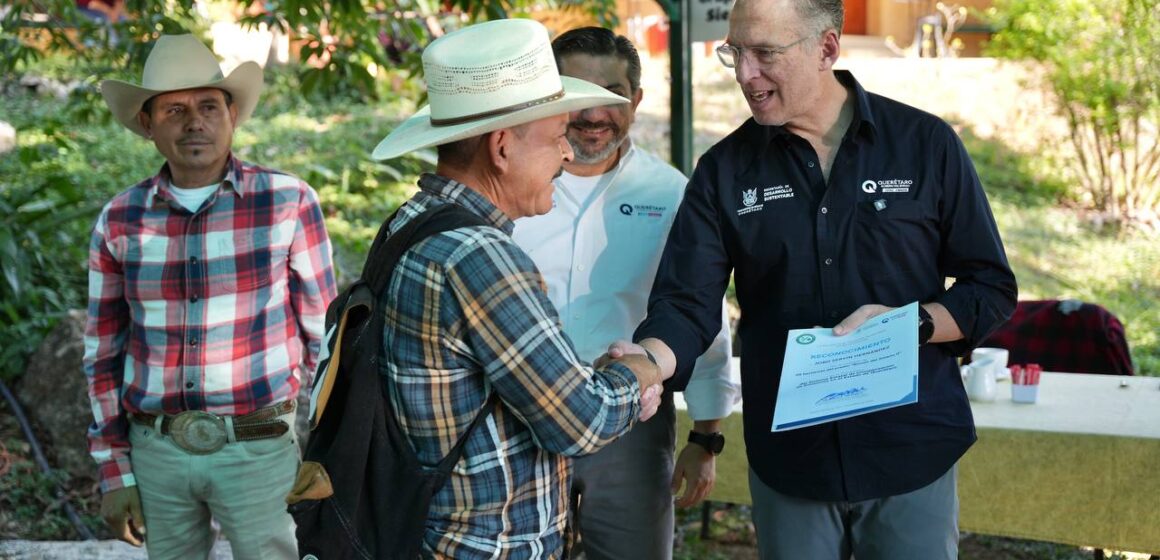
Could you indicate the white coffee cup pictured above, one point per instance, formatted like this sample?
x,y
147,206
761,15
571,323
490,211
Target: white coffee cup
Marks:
x,y
998,357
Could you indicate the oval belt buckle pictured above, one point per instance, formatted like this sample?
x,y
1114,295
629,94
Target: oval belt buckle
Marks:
x,y
198,432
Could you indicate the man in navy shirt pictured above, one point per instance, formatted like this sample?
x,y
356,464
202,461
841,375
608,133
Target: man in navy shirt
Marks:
x,y
830,206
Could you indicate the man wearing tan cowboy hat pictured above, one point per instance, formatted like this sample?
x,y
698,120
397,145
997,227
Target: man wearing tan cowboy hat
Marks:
x,y
208,285
471,317
614,205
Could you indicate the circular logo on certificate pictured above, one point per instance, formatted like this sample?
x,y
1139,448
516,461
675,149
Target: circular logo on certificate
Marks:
x,y
806,339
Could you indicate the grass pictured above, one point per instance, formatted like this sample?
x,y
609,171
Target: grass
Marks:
x,y
1059,253
731,537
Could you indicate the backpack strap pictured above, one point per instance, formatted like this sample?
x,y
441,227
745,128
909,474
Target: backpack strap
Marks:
x,y
456,452
387,249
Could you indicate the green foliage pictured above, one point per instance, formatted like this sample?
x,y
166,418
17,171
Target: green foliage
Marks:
x,y
350,48
1100,59
29,506
28,499
36,29
1011,175
50,188
1057,253
66,167
348,44
328,146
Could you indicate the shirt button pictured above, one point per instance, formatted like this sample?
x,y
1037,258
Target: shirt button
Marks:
x,y
829,261
193,260
193,341
193,298
580,268
189,385
811,164
825,210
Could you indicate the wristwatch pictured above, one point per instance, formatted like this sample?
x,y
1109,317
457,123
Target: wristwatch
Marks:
x,y
925,326
713,443
650,356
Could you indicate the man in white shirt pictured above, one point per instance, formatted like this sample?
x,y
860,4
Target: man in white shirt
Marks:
x,y
613,195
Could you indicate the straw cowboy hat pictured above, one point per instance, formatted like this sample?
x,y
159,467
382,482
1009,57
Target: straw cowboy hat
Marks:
x,y
180,62
489,76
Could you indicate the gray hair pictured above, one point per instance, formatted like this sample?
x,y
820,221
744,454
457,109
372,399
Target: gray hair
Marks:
x,y
460,153
821,15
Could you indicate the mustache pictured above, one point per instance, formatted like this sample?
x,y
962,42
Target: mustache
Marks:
x,y
592,125
195,138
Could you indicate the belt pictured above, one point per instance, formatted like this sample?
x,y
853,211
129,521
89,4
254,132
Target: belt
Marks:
x,y
201,432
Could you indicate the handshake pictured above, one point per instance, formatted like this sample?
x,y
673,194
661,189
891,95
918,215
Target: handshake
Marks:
x,y
648,374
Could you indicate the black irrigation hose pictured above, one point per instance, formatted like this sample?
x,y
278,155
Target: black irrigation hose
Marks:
x,y
59,492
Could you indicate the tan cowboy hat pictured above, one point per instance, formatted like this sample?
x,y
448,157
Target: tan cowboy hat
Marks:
x,y
489,76
180,62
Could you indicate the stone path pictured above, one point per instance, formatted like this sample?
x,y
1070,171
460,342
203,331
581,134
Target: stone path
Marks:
x,y
86,550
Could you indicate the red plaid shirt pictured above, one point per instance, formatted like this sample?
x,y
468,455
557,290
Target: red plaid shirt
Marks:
x,y
213,310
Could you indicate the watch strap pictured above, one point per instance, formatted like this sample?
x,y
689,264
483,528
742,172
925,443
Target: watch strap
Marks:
x,y
713,443
925,326
650,356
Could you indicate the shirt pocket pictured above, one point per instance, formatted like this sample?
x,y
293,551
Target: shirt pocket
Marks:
x,y
636,241
149,273
243,262
895,239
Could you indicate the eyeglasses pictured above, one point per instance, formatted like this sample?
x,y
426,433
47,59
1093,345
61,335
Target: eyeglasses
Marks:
x,y
730,55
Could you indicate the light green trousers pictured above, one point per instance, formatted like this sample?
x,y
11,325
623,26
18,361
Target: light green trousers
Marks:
x,y
241,488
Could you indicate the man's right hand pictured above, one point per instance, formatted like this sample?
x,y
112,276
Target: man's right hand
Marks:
x,y
121,510
648,375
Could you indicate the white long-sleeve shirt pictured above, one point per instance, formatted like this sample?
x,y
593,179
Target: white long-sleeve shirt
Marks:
x,y
598,250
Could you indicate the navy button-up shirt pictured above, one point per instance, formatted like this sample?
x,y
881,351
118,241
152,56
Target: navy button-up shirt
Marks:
x,y
902,212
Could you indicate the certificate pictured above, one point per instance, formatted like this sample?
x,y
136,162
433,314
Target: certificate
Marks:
x,y
826,377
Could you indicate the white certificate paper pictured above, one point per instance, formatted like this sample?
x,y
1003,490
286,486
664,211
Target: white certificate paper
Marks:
x,y
826,377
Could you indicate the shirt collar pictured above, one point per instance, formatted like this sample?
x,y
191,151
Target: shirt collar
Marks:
x,y
450,190
627,151
161,182
863,122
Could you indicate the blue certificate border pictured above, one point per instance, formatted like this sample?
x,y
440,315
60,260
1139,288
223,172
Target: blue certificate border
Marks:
x,y
909,398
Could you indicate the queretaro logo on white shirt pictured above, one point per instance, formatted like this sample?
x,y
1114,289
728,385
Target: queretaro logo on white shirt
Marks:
x,y
645,211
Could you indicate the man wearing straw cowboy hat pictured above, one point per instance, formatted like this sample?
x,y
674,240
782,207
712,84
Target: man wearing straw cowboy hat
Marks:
x,y
208,285
598,250
471,316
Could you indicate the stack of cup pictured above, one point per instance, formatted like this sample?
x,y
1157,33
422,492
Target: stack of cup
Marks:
x,y
1025,383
